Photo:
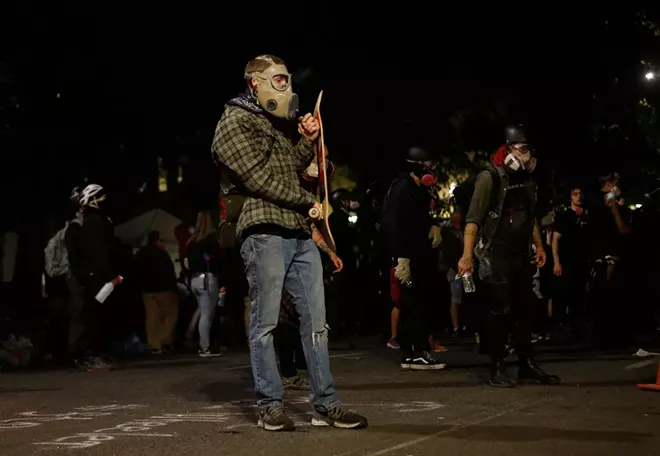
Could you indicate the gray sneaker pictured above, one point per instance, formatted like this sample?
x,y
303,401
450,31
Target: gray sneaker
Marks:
x,y
273,418
339,417
96,364
206,353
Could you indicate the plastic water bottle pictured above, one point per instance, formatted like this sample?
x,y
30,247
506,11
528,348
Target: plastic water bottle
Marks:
x,y
468,283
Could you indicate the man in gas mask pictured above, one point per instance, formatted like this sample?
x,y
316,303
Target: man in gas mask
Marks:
x,y
273,228
500,226
411,237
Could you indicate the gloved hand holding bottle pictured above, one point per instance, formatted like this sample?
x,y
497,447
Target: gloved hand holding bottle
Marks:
x,y
402,271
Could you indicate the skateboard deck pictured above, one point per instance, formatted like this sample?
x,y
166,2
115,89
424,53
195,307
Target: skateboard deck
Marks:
x,y
322,183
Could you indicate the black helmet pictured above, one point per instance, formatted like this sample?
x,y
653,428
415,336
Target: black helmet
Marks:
x,y
417,154
338,195
515,134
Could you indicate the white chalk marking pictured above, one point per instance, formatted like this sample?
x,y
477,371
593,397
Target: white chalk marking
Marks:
x,y
419,406
403,407
17,424
84,413
640,364
90,440
109,408
133,434
33,419
419,440
64,416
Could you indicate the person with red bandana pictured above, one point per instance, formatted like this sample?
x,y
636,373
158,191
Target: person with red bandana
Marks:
x,y
411,237
499,230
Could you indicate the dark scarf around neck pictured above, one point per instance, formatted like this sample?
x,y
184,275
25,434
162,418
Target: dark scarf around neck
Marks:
x,y
247,101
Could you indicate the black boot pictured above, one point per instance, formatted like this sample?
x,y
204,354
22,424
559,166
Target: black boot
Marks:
x,y
531,372
498,375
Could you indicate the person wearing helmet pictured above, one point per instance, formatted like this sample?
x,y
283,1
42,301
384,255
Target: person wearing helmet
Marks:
x,y
500,235
88,248
411,237
253,142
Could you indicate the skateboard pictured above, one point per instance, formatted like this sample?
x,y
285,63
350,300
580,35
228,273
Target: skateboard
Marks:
x,y
321,217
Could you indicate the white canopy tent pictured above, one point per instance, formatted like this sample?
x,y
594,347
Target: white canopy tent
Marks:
x,y
134,232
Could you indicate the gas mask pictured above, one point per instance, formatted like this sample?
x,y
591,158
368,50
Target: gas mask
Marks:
x,y
275,94
425,173
517,163
429,180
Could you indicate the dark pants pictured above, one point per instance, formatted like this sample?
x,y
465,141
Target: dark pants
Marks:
x,y
289,350
510,306
85,319
612,310
570,301
344,303
414,320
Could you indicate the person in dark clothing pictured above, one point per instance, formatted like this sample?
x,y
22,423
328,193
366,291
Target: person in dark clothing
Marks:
x,y
203,255
570,251
157,280
345,298
408,226
500,237
88,249
231,204
609,234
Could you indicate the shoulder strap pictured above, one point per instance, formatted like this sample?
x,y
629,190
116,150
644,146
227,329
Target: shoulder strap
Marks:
x,y
532,191
497,196
389,191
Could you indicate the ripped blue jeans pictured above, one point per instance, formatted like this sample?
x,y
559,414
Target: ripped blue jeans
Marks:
x,y
273,263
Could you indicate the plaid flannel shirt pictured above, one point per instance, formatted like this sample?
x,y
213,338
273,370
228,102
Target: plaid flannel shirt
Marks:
x,y
268,166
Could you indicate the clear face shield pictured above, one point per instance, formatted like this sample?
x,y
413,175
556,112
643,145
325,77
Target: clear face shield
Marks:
x,y
280,82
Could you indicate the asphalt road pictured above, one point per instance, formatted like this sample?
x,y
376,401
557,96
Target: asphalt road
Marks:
x,y
188,406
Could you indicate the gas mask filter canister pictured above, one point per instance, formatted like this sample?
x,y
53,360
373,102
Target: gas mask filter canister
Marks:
x,y
517,163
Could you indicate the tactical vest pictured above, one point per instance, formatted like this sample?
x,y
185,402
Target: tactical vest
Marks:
x,y
494,217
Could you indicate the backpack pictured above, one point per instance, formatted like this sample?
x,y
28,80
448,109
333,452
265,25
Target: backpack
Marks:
x,y
385,208
56,255
463,192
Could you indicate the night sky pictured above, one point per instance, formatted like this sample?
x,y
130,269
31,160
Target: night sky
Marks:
x,y
135,84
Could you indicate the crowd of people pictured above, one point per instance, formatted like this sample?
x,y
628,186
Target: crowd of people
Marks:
x,y
497,269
